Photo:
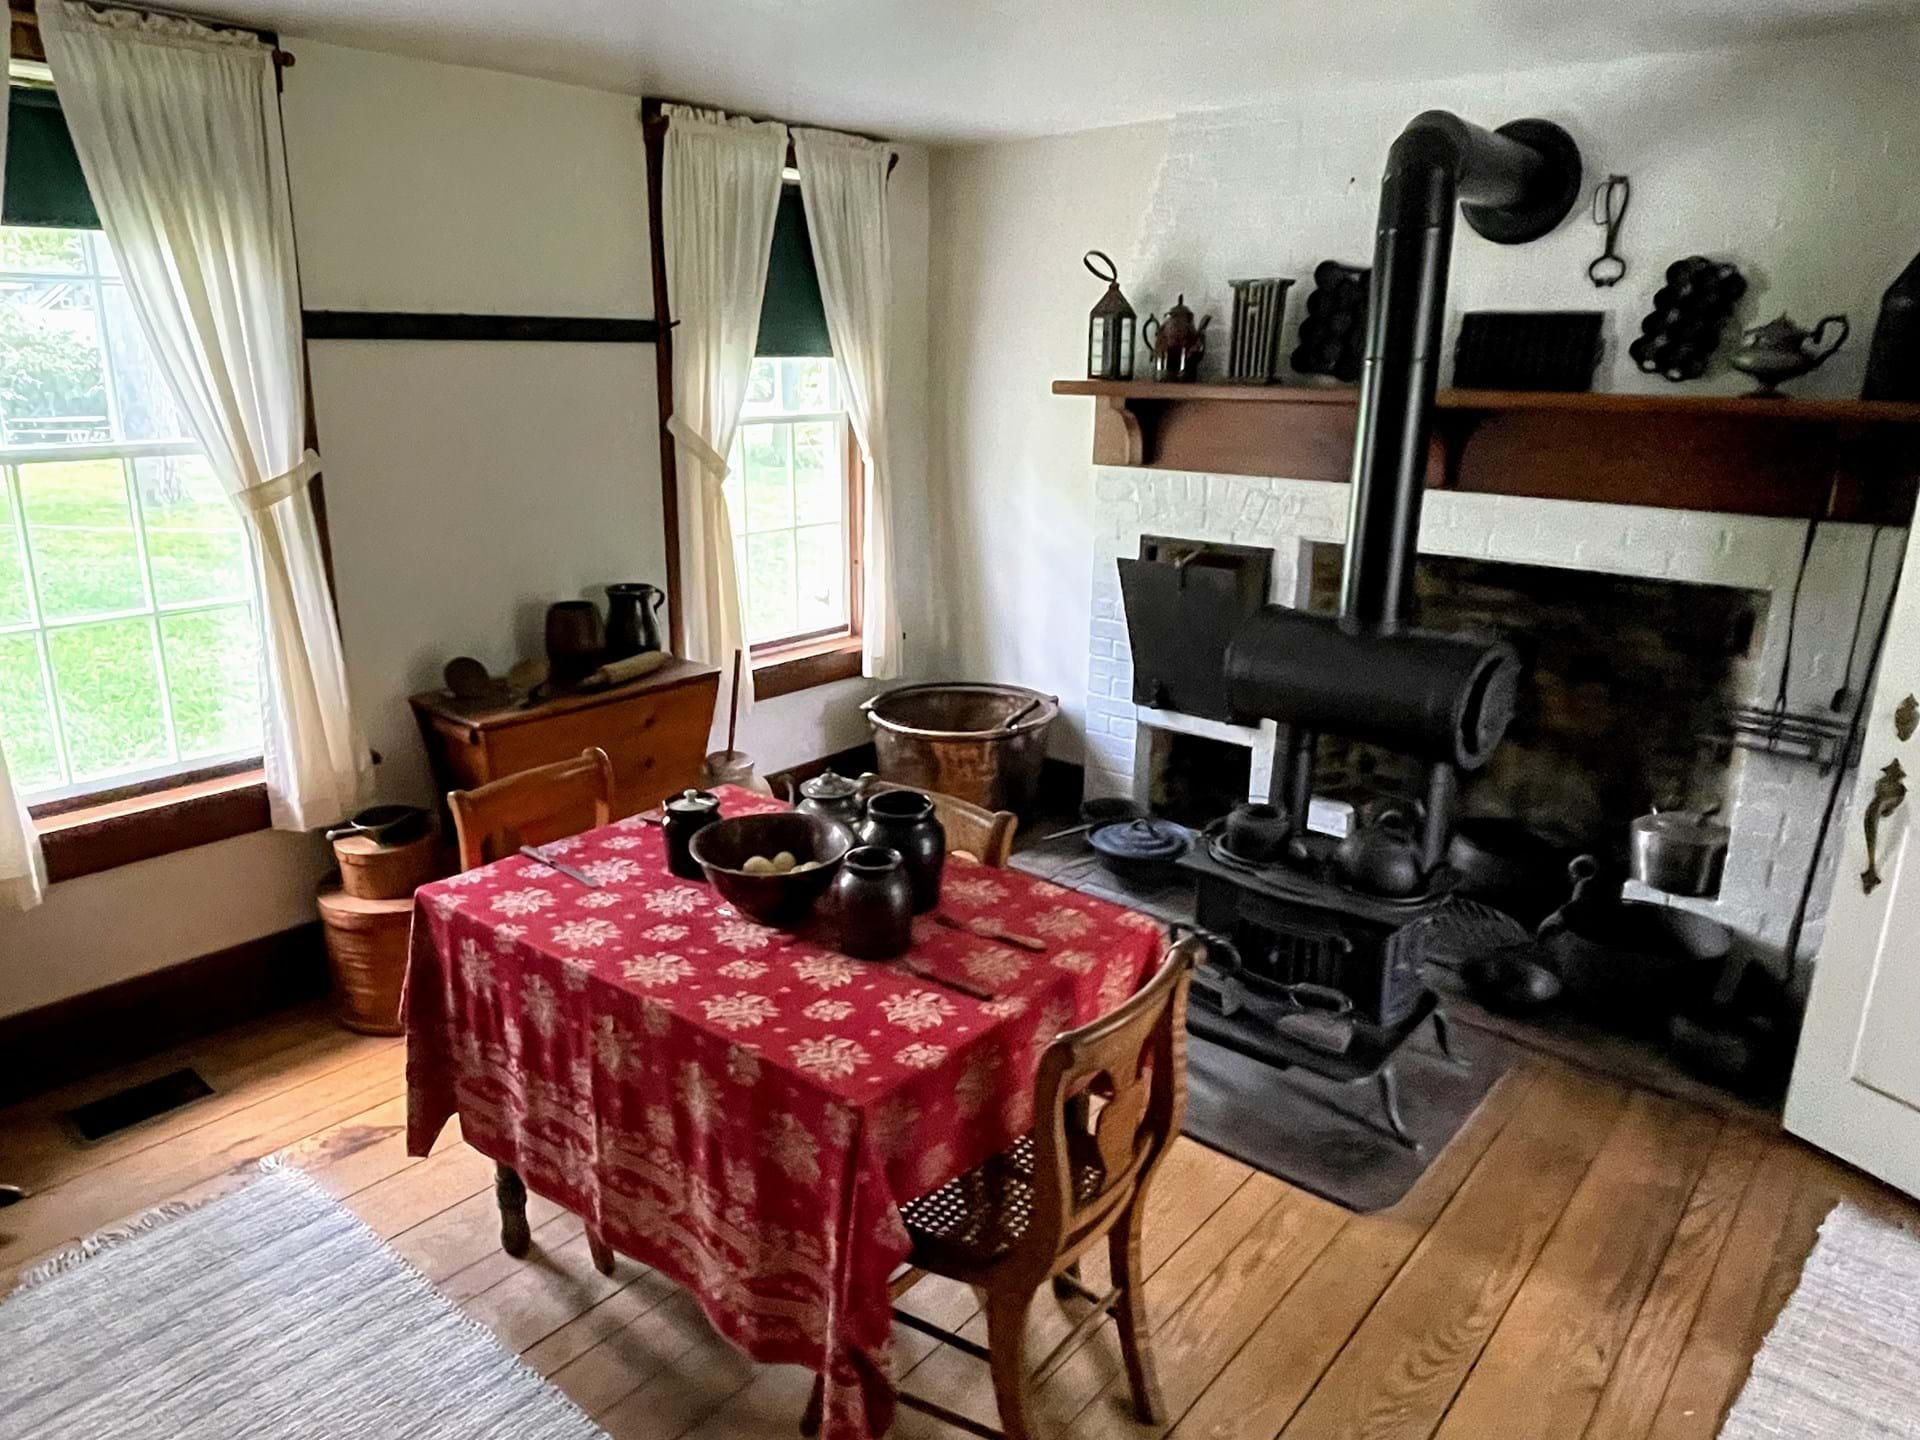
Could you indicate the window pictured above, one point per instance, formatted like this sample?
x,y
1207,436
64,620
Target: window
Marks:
x,y
129,638
788,500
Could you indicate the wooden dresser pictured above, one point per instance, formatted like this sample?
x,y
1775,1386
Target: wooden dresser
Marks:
x,y
655,730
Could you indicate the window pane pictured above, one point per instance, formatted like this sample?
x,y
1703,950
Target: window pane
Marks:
x,y
81,534
142,397
26,248
821,559
819,483
763,388
213,679
32,760
52,382
14,609
808,385
109,696
771,612
769,486
195,546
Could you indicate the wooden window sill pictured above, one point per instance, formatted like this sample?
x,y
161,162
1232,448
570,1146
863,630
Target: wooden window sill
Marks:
x,y
103,836
801,667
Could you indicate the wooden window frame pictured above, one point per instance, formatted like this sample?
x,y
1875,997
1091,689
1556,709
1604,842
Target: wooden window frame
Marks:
x,y
789,666
102,830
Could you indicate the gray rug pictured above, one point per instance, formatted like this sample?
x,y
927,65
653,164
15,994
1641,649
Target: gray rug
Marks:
x,y
269,1312
1332,1139
1843,1360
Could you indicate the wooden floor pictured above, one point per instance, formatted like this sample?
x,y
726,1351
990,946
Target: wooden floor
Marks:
x,y
1582,1260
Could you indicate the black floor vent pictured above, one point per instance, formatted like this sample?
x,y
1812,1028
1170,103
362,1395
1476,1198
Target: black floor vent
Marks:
x,y
100,1118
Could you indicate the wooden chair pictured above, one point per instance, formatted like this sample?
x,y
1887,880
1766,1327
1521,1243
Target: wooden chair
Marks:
x,y
532,807
1026,1216
985,835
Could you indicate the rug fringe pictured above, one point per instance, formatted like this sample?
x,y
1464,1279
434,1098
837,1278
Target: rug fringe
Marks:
x,y
81,1251
71,1257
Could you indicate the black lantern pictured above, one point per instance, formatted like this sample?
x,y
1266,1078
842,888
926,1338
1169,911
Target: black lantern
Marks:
x,y
1110,326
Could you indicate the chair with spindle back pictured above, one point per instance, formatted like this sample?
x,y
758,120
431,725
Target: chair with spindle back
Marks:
x,y
1026,1216
536,805
986,835
493,821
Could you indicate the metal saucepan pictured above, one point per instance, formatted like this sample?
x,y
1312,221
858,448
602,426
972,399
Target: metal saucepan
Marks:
x,y
1679,852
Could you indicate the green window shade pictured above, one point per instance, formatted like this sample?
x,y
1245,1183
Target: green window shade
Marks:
x,y
44,185
792,319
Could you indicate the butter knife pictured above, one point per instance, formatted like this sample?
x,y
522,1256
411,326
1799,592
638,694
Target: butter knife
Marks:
x,y
961,987
567,870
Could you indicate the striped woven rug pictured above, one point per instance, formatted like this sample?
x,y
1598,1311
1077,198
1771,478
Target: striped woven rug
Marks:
x,y
1843,1360
271,1311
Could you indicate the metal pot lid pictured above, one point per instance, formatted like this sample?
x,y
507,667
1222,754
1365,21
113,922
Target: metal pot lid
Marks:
x,y
1144,839
690,801
1691,826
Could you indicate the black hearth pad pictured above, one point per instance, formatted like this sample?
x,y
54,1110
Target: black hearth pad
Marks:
x,y
1330,1138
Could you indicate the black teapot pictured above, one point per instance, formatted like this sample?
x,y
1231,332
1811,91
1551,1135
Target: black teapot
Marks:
x,y
1381,857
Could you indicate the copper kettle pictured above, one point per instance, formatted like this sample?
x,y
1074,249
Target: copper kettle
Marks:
x,y
1174,347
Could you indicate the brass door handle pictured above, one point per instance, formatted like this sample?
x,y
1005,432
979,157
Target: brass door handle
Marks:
x,y
1889,794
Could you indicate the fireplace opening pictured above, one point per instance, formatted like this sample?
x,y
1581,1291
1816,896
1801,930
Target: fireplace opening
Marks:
x,y
1628,683
1195,778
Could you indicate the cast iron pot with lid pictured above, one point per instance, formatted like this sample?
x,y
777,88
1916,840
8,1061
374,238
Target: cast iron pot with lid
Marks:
x,y
1142,849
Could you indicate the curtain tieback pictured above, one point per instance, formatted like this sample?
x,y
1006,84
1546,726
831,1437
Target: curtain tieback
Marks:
x,y
258,499
711,460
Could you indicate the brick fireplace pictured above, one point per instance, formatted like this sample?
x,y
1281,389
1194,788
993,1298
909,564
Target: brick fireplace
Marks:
x,y
1772,802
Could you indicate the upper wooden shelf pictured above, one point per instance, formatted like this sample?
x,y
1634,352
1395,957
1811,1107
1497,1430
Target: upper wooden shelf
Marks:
x,y
1855,460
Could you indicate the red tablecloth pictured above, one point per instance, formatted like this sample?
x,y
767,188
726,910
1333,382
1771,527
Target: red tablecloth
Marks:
x,y
742,1108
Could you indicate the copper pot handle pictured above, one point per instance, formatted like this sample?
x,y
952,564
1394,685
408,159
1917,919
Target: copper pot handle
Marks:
x,y
1889,794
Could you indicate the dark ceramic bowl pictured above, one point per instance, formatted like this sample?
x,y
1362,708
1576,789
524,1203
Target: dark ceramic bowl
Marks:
x,y
724,846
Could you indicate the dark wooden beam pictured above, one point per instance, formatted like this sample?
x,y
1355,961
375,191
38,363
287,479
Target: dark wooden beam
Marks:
x,y
408,325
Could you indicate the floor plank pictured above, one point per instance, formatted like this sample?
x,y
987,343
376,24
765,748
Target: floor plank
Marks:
x,y
1630,1403
1571,1316
1400,1371
1579,1261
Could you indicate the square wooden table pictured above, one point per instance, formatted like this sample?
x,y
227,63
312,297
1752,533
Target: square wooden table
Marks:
x,y
743,1108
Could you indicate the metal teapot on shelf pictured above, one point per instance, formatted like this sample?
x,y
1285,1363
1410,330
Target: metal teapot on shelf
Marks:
x,y
1174,347
1780,350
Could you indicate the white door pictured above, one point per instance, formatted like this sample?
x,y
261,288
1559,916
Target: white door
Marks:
x,y
1856,1081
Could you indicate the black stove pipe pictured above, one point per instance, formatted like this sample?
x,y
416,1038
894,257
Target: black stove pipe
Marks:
x,y
1438,161
1364,673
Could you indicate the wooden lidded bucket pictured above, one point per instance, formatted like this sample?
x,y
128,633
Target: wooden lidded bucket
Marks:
x,y
367,953
373,870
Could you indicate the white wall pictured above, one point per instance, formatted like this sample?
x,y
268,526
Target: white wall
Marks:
x,y
1008,463
468,484
1795,160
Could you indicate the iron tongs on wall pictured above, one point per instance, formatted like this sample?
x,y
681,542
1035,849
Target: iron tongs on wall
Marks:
x,y
1610,199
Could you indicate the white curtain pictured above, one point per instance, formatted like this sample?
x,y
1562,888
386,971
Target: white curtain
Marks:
x,y
843,184
23,873
178,130
719,192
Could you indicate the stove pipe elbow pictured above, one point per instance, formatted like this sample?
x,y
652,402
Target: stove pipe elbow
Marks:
x,y
1513,184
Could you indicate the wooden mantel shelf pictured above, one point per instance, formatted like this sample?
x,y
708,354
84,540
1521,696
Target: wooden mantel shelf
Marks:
x,y
1856,460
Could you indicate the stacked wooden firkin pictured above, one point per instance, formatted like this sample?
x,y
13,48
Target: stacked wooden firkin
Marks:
x,y
367,911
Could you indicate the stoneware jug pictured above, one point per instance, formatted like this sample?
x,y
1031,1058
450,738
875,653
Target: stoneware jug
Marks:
x,y
873,903
903,820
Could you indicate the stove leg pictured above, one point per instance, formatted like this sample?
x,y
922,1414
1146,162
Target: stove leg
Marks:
x,y
1443,1037
1390,1101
